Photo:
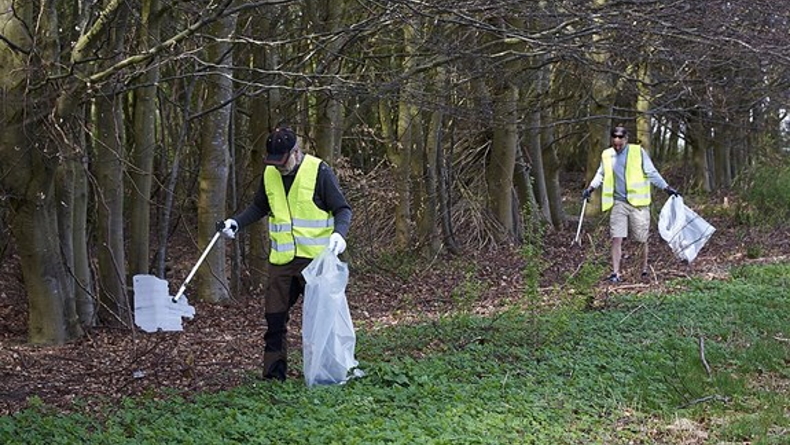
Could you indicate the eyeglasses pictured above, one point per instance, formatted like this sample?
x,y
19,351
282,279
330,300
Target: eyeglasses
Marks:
x,y
618,136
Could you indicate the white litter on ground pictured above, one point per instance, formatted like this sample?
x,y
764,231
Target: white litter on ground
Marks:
x,y
154,309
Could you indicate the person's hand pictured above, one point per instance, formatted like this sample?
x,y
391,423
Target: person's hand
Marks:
x,y
587,193
229,227
671,192
337,244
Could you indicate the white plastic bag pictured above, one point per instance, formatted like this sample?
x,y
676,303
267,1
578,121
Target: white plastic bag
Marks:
x,y
328,337
154,309
684,230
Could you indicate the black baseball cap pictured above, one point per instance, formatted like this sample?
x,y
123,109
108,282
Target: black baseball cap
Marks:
x,y
279,145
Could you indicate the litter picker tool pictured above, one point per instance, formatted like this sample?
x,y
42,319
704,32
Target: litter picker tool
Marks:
x,y
578,239
194,269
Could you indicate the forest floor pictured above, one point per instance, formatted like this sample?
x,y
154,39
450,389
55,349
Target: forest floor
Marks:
x,y
222,346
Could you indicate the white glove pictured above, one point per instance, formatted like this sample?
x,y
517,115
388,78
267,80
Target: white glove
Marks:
x,y
337,244
228,228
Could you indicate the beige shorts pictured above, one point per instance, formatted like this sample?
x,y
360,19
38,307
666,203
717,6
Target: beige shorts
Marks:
x,y
626,219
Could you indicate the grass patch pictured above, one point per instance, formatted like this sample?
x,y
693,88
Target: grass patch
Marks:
x,y
631,374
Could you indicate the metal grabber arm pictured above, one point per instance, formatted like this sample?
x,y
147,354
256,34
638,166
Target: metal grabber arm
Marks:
x,y
578,239
194,269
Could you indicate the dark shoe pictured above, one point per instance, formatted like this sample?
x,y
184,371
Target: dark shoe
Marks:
x,y
276,372
614,278
645,275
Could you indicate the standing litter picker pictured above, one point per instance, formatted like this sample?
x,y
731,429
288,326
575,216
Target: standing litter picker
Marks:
x,y
578,239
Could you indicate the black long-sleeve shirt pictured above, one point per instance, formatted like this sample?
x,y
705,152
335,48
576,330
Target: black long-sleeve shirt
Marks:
x,y
328,197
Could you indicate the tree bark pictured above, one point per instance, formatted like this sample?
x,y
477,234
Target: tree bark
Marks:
x,y
499,171
699,144
144,147
31,155
214,162
722,156
643,104
429,223
108,169
329,108
538,170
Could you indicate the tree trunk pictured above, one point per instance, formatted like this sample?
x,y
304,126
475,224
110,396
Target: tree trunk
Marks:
x,y
444,165
84,290
428,222
599,108
166,209
499,171
72,186
109,142
525,195
643,114
33,141
722,149
553,187
538,170
702,179
407,119
214,162
108,169
144,148
28,179
328,109
399,153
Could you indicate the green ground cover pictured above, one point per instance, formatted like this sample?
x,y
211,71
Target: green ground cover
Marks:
x,y
708,364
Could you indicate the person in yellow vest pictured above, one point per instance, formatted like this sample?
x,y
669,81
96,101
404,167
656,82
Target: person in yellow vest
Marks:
x,y
626,172
307,214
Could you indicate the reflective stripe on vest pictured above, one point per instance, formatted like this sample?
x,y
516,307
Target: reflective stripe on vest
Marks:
x,y
636,183
297,227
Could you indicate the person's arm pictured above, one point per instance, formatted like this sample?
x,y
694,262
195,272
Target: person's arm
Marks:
x,y
597,180
256,210
329,197
651,172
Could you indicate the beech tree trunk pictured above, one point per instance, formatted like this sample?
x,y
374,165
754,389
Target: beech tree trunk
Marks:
x,y
214,163
108,169
144,148
30,166
499,171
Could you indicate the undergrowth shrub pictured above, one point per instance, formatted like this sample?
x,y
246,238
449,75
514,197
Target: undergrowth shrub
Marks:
x,y
765,190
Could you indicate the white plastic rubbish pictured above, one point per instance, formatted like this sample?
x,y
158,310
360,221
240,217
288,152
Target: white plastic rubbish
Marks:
x,y
684,230
328,337
153,306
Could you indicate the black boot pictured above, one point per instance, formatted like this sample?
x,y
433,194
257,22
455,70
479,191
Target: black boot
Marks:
x,y
277,371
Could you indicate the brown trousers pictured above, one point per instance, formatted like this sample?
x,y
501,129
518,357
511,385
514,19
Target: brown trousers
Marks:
x,y
286,285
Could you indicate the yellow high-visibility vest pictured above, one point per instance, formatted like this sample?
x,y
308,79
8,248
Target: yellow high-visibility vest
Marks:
x,y
297,227
636,183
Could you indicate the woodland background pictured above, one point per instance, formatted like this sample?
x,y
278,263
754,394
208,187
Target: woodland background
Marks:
x,y
130,127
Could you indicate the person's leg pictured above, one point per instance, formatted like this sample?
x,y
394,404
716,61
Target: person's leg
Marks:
x,y
640,229
276,314
617,253
286,284
618,228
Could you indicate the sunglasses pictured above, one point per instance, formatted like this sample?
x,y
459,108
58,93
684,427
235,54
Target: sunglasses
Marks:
x,y
618,136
